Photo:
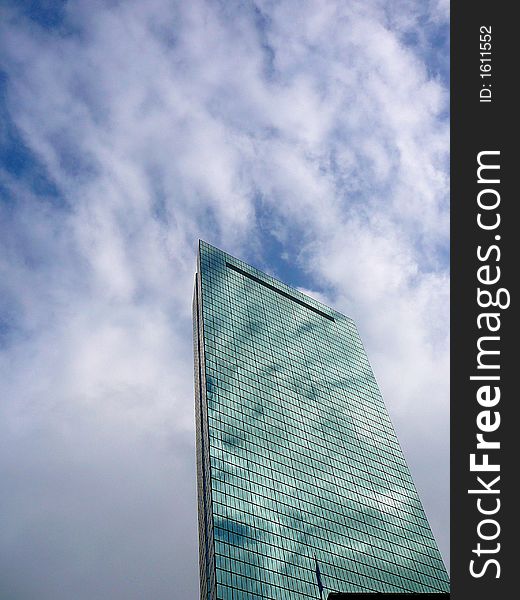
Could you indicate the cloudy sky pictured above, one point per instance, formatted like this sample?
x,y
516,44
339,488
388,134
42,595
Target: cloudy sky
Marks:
x,y
307,138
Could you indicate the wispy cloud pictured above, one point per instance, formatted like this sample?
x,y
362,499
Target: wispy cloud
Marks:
x,y
130,130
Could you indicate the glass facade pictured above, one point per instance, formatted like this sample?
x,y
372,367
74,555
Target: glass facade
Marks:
x,y
301,480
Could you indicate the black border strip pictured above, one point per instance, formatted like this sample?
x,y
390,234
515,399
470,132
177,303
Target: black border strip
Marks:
x,y
278,291
484,52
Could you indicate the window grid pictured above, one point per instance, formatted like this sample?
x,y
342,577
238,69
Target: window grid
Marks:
x,y
302,458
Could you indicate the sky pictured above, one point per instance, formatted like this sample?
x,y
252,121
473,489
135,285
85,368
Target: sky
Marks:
x,y
308,138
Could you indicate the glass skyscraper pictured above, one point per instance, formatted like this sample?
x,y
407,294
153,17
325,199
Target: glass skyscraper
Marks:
x,y
302,486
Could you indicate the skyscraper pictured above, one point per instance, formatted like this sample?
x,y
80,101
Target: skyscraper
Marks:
x,y
302,486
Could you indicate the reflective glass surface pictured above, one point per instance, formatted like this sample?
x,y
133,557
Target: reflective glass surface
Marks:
x,y
299,467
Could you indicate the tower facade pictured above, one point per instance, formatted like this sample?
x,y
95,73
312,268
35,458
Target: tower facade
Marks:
x,y
302,487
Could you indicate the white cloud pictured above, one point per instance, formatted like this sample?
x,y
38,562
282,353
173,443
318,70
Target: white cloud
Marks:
x,y
160,124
